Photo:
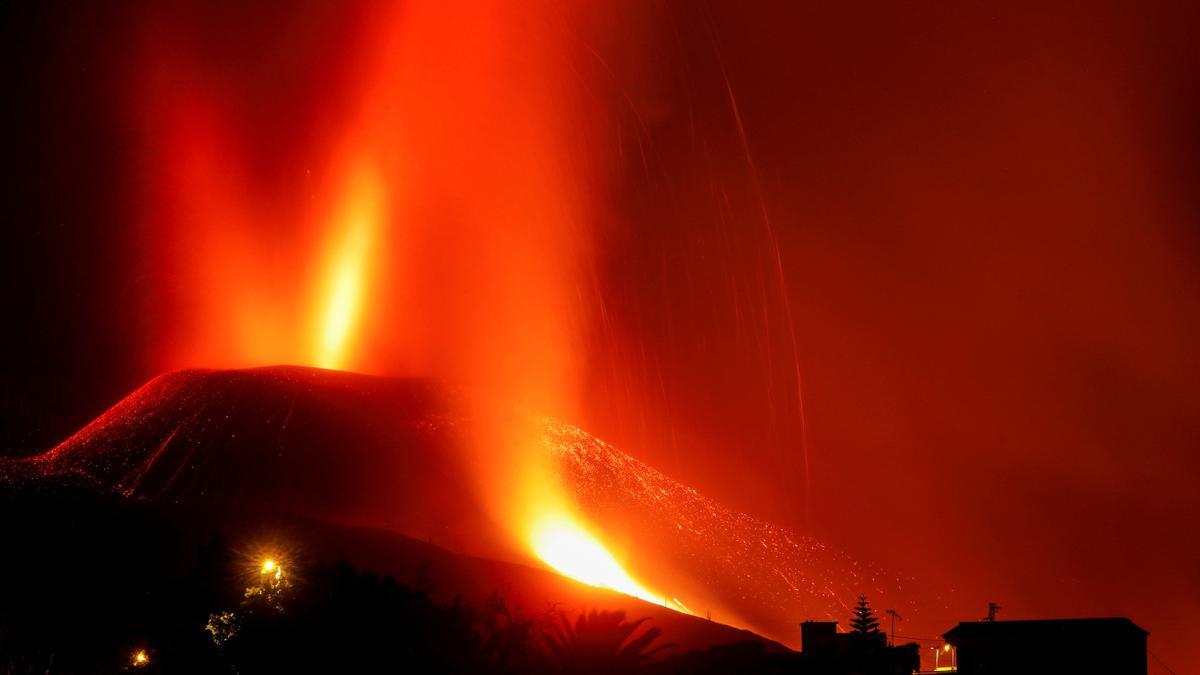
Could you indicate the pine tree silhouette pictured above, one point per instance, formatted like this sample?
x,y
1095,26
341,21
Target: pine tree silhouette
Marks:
x,y
865,624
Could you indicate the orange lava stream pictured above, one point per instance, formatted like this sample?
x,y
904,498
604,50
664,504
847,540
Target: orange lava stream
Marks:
x,y
574,552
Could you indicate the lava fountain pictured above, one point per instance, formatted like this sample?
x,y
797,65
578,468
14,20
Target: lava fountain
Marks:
x,y
361,218
396,189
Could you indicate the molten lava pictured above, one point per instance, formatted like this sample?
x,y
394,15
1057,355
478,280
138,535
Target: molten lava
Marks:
x,y
571,550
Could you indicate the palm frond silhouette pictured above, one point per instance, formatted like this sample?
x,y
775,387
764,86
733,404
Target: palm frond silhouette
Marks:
x,y
602,642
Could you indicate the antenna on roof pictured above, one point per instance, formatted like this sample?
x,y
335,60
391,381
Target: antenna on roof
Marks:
x,y
992,609
892,628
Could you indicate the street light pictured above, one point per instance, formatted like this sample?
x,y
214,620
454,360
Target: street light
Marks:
x,y
140,658
272,569
937,657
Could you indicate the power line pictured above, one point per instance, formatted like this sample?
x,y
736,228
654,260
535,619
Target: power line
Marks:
x,y
922,639
1160,662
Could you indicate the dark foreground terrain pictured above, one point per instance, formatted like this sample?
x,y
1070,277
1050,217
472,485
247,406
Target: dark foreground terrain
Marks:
x,y
88,580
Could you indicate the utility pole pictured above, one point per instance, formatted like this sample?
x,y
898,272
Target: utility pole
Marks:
x,y
992,609
892,628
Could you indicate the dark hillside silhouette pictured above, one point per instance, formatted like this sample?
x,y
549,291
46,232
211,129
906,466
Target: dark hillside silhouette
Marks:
x,y
102,577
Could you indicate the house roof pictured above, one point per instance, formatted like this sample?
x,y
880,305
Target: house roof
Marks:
x,y
1016,630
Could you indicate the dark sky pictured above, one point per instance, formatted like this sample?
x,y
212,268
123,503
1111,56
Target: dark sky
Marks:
x,y
973,228
63,284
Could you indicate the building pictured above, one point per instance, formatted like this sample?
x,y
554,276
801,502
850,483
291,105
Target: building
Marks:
x,y
1113,646
825,650
820,640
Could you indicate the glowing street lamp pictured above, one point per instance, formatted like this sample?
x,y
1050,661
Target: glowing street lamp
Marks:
x,y
140,658
937,656
270,568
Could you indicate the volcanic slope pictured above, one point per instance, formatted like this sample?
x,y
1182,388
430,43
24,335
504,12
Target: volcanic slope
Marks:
x,y
392,454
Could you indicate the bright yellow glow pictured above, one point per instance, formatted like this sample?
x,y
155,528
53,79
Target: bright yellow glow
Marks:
x,y
272,568
572,551
140,658
357,223
946,648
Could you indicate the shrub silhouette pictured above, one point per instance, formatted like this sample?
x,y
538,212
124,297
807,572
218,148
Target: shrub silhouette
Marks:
x,y
601,642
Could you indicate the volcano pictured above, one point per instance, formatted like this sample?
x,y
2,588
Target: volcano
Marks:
x,y
392,455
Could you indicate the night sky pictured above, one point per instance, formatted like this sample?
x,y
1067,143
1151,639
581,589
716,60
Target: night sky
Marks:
x,y
973,232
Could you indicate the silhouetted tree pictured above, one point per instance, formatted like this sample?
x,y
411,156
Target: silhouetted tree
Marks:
x,y
512,641
343,620
865,625
602,642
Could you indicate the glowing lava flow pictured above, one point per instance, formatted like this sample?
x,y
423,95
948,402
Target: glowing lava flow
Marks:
x,y
361,214
575,553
